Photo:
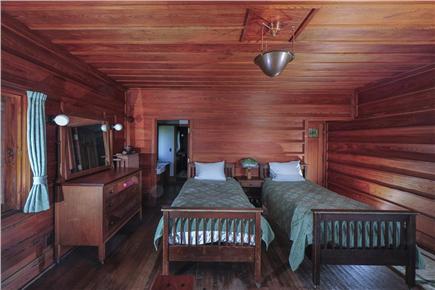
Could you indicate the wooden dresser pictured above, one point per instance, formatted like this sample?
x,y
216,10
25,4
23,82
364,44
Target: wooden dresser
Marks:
x,y
93,208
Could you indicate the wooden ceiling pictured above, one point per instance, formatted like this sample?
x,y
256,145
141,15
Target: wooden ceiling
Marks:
x,y
344,45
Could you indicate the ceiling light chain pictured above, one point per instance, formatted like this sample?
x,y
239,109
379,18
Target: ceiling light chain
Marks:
x,y
293,39
262,34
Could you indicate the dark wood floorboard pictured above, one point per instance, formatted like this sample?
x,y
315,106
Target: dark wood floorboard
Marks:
x,y
133,263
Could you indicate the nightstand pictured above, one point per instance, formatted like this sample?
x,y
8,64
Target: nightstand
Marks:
x,y
252,188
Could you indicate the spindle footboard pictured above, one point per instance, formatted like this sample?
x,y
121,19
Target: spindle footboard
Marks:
x,y
222,242
364,237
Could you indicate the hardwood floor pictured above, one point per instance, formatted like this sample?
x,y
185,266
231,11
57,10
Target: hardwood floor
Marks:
x,y
133,263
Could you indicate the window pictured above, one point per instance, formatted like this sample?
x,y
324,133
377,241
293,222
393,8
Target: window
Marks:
x,y
15,170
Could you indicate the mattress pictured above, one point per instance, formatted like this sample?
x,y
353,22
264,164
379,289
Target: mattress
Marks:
x,y
216,194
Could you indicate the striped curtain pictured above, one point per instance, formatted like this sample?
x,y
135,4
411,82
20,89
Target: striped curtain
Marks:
x,y
37,199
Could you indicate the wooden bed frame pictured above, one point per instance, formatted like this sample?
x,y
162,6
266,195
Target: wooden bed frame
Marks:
x,y
403,254
218,251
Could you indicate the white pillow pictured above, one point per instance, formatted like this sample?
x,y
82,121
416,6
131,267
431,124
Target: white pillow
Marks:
x,y
210,171
286,171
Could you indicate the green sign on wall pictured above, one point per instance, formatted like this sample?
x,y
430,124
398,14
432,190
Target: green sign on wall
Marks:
x,y
313,132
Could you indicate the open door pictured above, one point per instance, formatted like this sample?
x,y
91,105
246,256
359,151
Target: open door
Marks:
x,y
172,151
166,146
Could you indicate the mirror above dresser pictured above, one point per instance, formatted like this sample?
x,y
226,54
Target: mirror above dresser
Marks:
x,y
85,146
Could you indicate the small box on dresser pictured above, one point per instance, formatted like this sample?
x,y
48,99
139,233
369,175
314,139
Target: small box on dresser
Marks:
x,y
94,208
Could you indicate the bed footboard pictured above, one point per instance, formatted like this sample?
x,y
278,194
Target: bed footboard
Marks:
x,y
364,237
235,236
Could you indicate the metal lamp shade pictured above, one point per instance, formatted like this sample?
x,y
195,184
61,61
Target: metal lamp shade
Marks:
x,y
272,63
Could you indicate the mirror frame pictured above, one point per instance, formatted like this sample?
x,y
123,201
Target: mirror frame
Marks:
x,y
65,148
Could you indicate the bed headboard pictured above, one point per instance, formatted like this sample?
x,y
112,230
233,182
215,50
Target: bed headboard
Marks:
x,y
229,169
264,169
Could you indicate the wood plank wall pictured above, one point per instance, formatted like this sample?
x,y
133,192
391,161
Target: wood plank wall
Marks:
x,y
230,125
30,62
386,157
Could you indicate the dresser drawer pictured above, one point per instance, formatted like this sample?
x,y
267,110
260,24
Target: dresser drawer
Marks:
x,y
118,207
120,185
113,201
115,217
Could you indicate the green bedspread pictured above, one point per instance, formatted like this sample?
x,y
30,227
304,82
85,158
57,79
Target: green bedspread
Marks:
x,y
207,193
289,206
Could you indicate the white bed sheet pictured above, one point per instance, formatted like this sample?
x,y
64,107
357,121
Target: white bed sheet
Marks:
x,y
208,239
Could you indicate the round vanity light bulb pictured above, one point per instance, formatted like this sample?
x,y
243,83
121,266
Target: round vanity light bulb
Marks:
x,y
118,127
104,128
61,120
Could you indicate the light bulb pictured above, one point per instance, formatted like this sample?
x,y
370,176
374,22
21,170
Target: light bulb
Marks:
x,y
104,128
118,127
61,120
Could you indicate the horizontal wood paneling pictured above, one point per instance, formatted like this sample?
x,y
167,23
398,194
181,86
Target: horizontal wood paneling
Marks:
x,y
230,125
419,135
401,122
386,157
396,87
159,45
402,166
399,197
420,101
29,62
424,152
425,232
417,185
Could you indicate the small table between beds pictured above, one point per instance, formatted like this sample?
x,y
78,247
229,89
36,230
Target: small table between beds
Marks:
x,y
252,188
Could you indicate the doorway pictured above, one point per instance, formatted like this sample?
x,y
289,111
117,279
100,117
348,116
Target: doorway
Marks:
x,y
172,152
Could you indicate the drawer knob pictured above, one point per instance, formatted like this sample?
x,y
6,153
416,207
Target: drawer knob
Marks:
x,y
128,183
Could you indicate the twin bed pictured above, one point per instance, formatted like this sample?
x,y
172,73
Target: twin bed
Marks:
x,y
338,229
214,221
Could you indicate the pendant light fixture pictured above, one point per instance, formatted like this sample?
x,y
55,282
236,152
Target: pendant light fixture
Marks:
x,y
273,62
